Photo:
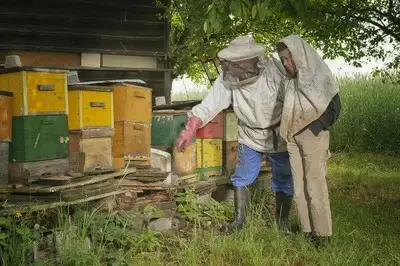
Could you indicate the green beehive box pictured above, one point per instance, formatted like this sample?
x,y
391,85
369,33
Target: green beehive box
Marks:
x,y
39,137
166,126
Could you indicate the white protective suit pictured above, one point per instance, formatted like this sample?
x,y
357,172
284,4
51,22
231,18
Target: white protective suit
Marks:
x,y
257,104
307,96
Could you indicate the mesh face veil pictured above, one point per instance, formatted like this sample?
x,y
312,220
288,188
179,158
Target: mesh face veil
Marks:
x,y
239,72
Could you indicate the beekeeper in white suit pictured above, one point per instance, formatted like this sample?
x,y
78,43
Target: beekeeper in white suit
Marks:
x,y
251,82
311,106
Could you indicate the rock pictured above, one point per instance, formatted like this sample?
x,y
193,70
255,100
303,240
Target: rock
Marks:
x,y
161,224
204,198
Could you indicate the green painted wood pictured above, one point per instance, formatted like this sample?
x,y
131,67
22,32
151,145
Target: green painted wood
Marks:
x,y
4,163
231,127
40,137
166,127
211,172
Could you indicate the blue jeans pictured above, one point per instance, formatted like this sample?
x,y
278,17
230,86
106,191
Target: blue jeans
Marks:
x,y
249,164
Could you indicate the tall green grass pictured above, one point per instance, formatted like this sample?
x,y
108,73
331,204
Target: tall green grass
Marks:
x,y
365,202
370,116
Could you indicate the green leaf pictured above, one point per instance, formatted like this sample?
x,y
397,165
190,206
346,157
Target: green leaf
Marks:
x,y
254,11
3,221
205,26
262,12
217,26
236,8
23,230
210,7
3,236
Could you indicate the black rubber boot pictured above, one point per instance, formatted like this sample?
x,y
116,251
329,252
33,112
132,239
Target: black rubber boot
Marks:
x,y
241,197
318,241
283,204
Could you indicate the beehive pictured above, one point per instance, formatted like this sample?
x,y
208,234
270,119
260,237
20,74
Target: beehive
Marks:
x,y
37,91
90,106
5,115
41,137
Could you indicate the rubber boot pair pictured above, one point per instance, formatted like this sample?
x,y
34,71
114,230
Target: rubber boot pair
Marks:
x,y
318,241
283,204
241,198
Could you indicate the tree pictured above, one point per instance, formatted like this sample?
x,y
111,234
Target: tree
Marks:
x,y
353,29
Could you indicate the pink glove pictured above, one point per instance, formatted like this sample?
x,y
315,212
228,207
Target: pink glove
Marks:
x,y
187,134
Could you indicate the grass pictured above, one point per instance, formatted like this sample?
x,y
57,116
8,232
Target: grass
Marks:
x,y
365,207
369,117
365,201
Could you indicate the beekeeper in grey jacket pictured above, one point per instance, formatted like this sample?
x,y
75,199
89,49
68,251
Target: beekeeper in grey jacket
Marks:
x,y
311,106
251,82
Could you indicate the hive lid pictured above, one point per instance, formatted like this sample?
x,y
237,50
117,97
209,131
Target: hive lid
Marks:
x,y
112,82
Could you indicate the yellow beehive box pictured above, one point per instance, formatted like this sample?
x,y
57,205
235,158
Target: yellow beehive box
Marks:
x,y
37,91
90,106
209,153
132,103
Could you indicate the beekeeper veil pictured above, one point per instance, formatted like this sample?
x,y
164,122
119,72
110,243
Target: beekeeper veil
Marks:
x,y
242,61
309,94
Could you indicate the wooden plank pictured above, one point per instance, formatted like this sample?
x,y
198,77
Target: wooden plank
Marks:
x,y
85,192
151,172
13,208
90,60
24,173
93,132
87,181
148,179
143,186
39,58
182,105
9,188
128,61
143,201
55,180
94,155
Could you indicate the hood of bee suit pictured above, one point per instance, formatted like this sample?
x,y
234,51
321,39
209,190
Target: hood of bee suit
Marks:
x,y
309,94
240,49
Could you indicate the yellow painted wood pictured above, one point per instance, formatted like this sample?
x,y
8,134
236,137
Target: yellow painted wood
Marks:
x,y
132,103
37,92
90,108
74,110
209,153
199,144
3,83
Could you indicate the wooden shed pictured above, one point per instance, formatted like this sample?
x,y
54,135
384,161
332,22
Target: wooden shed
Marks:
x,y
102,40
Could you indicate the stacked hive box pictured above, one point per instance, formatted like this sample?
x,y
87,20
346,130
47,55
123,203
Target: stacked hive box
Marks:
x,y
209,148
39,144
231,144
165,129
91,128
5,133
132,123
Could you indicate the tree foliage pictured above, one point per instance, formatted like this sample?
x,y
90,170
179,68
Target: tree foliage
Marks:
x,y
353,29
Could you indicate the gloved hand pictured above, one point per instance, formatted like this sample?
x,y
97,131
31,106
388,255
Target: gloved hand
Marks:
x,y
187,134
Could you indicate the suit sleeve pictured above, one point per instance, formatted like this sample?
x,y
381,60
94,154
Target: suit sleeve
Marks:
x,y
218,99
329,117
